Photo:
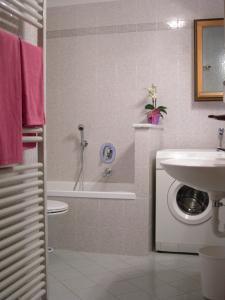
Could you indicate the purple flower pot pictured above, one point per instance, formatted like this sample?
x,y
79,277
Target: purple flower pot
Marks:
x,y
154,119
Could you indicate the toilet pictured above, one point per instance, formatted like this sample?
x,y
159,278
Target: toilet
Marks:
x,y
55,208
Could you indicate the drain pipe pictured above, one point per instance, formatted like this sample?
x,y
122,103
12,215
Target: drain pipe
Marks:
x,y
215,218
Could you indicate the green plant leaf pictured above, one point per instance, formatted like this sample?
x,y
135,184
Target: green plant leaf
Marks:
x,y
162,107
149,106
163,110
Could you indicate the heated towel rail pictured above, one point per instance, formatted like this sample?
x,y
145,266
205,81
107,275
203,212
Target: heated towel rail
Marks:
x,y
23,274
30,11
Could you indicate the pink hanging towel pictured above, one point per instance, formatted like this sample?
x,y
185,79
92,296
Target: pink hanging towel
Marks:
x,y
11,150
32,85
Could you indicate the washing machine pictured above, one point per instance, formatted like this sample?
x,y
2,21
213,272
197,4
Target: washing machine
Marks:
x,y
183,214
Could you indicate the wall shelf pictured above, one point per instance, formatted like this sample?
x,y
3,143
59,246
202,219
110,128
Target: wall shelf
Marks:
x,y
147,126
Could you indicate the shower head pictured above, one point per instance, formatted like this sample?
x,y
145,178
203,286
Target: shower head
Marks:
x,y
83,142
81,127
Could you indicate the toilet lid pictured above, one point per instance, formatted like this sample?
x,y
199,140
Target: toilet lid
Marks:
x,y
56,206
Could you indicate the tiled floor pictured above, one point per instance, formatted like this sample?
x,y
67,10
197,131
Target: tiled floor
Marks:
x,y
90,276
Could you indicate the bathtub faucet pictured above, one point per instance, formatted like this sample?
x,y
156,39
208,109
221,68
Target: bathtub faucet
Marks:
x,y
107,172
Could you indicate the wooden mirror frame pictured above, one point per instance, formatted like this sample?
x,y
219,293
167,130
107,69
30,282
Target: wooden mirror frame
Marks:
x,y
199,25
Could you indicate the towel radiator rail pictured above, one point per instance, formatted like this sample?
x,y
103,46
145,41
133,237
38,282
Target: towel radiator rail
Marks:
x,y
32,139
24,12
37,138
23,255
33,130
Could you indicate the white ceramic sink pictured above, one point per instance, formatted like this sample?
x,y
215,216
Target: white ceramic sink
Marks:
x,y
203,174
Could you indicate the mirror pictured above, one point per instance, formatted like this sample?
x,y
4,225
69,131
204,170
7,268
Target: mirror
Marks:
x,y
209,59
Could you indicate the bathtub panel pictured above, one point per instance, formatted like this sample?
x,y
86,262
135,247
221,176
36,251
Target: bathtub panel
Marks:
x,y
61,227
111,239
97,225
86,212
111,213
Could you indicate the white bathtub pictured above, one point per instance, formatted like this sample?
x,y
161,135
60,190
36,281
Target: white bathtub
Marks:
x,y
91,190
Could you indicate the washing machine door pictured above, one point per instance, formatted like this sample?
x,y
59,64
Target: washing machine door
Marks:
x,y
188,205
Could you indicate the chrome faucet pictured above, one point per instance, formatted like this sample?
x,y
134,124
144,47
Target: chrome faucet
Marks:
x,y
220,130
107,172
108,153
220,137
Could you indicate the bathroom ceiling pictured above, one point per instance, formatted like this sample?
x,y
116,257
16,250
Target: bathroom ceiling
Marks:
x,y
53,3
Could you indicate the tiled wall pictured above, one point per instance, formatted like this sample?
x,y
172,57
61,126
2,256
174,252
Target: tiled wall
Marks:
x,y
113,225
101,57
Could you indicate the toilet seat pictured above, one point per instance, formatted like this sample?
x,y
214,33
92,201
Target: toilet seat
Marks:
x,y
56,207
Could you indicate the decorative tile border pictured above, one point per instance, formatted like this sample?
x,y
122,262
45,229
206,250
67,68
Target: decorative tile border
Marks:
x,y
112,29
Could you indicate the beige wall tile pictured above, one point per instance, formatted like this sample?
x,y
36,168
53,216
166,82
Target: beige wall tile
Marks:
x,y
98,76
108,226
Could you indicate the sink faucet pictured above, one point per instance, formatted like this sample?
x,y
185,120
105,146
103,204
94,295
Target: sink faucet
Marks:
x,y
220,130
218,117
220,136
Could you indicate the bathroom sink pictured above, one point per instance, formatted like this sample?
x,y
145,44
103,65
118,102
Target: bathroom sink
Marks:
x,y
203,174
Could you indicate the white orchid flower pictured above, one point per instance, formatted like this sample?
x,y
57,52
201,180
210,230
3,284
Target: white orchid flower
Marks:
x,y
152,91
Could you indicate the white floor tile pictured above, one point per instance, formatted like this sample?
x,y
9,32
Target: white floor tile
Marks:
x,y
110,262
190,296
108,297
170,275
68,254
91,276
186,285
97,292
147,283
53,258
190,271
152,267
87,267
59,292
63,272
122,288
165,292
137,296
138,260
78,282
104,278
52,280
131,273
196,277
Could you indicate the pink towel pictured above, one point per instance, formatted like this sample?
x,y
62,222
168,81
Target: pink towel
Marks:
x,y
32,85
11,151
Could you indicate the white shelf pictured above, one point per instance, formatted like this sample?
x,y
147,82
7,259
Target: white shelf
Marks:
x,y
147,126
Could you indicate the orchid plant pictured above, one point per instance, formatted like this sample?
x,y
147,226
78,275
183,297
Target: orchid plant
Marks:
x,y
154,111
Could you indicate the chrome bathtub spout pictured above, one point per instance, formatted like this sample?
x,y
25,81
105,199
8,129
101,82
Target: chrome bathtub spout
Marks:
x,y
107,172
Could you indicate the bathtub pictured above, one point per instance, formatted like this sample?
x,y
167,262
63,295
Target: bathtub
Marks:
x,y
91,190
